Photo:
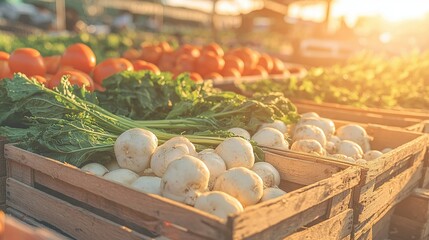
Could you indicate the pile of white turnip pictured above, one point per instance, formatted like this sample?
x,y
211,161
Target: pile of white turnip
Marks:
x,y
219,181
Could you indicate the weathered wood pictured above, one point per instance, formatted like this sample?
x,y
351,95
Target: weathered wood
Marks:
x,y
338,227
378,224
390,193
108,209
425,179
405,228
340,203
2,159
21,173
380,230
76,222
3,190
414,207
164,209
292,203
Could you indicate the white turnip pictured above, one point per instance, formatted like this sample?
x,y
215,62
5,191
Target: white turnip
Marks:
x,y
124,176
355,133
218,203
277,124
308,146
214,163
95,168
148,184
310,115
164,155
310,132
182,140
185,179
325,124
268,173
236,152
271,193
350,149
112,165
240,132
371,155
270,137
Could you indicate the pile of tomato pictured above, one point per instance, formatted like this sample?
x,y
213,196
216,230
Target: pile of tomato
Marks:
x,y
206,62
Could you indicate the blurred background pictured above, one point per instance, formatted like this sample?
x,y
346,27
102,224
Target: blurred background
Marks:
x,y
309,32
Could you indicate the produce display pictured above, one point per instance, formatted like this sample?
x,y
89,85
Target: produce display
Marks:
x,y
365,80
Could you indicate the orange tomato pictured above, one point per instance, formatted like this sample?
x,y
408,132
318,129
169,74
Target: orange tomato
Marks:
x,y
98,87
278,66
209,62
76,77
165,46
185,63
231,72
4,65
52,63
214,48
256,71
266,62
249,57
40,79
189,50
131,54
140,65
151,53
196,77
109,67
28,61
213,76
167,61
235,62
79,56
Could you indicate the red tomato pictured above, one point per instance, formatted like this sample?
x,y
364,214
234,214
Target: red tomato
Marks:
x,y
185,63
52,63
266,62
131,54
79,56
189,50
109,67
213,76
235,62
77,77
249,57
214,48
167,61
195,77
4,65
165,46
40,79
151,54
209,62
98,87
28,61
278,66
231,72
140,65
256,71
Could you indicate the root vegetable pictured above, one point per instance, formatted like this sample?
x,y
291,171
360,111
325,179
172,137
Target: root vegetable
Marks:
x,y
350,149
331,147
241,183
277,124
336,140
371,155
124,176
308,146
236,152
270,137
219,204
355,133
182,140
112,165
185,179
164,155
148,184
325,124
240,132
95,168
271,193
268,173
343,157
134,147
214,163
386,150
310,115
310,132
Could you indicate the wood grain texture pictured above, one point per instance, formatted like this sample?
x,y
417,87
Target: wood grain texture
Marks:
x,y
2,159
164,209
293,203
3,189
74,221
21,172
337,227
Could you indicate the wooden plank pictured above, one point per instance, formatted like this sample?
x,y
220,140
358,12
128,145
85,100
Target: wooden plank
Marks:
x,y
75,221
3,190
405,228
378,220
425,179
340,203
337,227
21,173
2,159
110,210
381,228
194,220
293,203
301,172
390,193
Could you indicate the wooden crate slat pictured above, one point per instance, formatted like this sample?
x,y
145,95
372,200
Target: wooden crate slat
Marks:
x,y
3,189
289,205
403,228
416,206
77,222
338,227
391,192
2,160
156,206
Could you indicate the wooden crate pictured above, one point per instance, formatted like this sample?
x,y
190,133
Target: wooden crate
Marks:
x,y
2,173
13,229
390,178
318,203
392,118
411,217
